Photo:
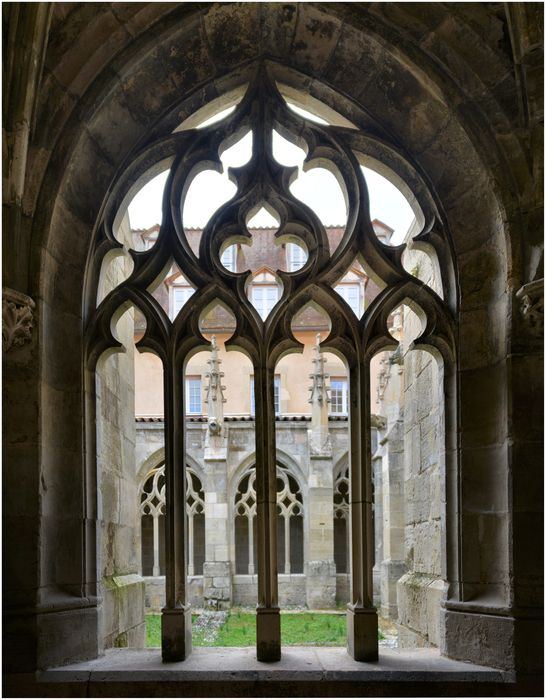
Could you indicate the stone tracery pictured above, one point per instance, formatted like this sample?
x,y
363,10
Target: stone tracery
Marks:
x,y
341,520
263,181
483,164
152,503
289,507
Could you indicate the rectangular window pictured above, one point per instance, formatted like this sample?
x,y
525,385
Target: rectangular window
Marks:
x,y
228,258
296,257
351,294
276,395
264,297
194,405
338,397
179,296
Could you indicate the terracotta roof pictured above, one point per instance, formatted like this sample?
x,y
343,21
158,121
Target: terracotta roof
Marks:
x,y
236,419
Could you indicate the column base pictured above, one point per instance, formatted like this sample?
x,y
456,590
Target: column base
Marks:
x,y
362,642
500,641
268,634
176,642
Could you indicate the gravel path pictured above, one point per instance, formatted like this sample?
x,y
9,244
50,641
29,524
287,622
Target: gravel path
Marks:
x,y
209,623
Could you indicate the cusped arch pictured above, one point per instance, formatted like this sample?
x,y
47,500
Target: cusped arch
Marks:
x,y
283,459
87,156
151,462
156,459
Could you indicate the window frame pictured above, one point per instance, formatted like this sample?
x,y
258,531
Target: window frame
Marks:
x,y
349,286
291,259
187,393
264,286
344,396
229,258
175,287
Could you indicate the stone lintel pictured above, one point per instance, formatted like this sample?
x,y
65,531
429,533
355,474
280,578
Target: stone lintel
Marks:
x,y
215,455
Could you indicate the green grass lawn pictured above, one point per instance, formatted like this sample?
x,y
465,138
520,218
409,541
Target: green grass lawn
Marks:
x,y
315,629
153,631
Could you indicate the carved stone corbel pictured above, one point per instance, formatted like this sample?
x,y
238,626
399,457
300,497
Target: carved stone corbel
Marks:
x,y
531,296
397,357
378,422
17,318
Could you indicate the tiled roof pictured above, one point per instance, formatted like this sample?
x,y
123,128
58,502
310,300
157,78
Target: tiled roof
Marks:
x,y
237,419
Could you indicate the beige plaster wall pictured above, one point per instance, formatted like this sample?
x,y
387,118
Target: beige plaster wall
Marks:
x,y
293,369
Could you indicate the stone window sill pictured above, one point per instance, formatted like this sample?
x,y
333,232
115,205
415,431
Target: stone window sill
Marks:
x,y
304,671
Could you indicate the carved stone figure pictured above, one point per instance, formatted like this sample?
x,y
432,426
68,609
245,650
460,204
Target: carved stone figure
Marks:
x,y
17,318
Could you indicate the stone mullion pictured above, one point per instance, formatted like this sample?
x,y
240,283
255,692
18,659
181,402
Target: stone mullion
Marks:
x,y
362,643
155,520
453,573
176,618
190,545
91,569
250,521
287,544
268,627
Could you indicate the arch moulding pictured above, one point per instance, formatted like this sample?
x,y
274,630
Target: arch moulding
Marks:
x,y
409,118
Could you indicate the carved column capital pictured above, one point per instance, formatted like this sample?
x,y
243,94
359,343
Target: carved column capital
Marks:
x,y
17,318
531,296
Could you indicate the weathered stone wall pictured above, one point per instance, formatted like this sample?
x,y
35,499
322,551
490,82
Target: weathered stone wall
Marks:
x,y
292,591
122,586
378,520
421,588
155,593
411,452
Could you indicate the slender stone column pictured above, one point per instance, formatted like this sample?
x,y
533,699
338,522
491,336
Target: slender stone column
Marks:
x,y
155,523
251,545
320,567
362,643
217,567
176,642
191,563
268,621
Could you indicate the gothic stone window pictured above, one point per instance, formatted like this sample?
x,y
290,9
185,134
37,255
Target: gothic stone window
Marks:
x,y
341,521
152,509
289,524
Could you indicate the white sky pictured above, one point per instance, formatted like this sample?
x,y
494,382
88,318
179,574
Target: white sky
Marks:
x,y
318,188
